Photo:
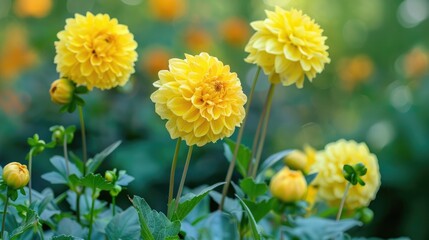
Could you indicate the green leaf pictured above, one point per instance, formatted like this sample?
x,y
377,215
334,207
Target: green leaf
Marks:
x,y
81,90
124,179
310,178
77,161
96,182
68,226
243,156
220,226
189,201
230,205
65,237
29,222
260,209
252,222
271,161
124,226
253,189
60,175
155,225
95,162
319,228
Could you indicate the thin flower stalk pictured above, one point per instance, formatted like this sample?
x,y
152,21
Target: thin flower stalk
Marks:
x,y
172,173
343,200
264,129
237,144
182,181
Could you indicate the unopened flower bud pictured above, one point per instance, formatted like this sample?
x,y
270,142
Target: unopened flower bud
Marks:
x,y
110,176
288,185
366,215
62,91
58,134
16,175
115,191
296,160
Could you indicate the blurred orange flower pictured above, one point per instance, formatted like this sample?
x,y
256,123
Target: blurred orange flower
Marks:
x,y
10,102
168,10
234,31
198,40
355,70
416,63
155,60
15,54
33,8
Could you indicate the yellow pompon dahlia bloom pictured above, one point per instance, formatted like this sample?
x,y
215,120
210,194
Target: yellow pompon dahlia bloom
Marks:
x,y
330,179
288,45
95,51
200,98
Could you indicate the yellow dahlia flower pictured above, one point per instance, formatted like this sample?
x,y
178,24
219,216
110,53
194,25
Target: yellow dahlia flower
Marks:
x,y
95,51
200,98
331,182
288,45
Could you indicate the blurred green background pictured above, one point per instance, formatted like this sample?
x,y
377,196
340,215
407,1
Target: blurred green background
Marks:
x,y
375,90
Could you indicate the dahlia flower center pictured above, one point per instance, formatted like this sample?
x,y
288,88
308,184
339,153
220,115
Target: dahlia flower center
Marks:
x,y
102,45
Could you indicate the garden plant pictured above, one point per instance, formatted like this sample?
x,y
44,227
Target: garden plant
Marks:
x,y
303,193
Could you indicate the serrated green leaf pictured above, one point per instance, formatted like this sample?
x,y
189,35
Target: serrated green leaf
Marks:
x,y
252,188
253,225
31,220
124,226
154,225
96,182
95,162
189,201
243,156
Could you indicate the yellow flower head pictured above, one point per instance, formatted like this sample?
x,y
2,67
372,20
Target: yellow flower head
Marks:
x,y
95,51
288,185
288,45
331,182
15,175
200,98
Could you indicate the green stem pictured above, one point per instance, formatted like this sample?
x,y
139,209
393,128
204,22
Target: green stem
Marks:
x,y
237,144
82,128
267,107
3,224
182,181
255,141
91,218
113,206
66,157
172,172
30,169
343,200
